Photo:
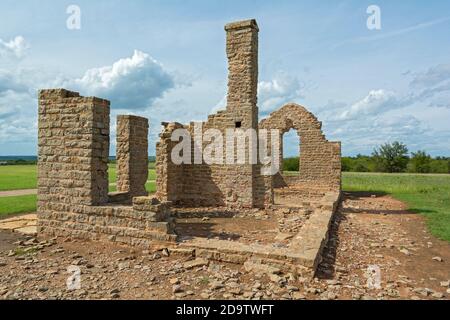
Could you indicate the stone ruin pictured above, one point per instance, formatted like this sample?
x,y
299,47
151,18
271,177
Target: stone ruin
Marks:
x,y
225,212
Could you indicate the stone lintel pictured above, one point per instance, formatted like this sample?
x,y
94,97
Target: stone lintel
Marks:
x,y
244,24
131,117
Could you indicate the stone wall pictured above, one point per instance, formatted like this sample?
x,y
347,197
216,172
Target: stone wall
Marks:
x,y
169,176
132,155
320,159
233,185
73,149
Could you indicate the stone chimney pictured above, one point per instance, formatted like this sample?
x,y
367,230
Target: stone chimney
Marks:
x,y
242,53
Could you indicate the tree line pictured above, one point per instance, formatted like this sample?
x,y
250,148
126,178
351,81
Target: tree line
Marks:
x,y
389,157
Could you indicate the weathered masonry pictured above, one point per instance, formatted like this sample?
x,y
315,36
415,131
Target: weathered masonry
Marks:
x,y
73,150
132,155
320,160
73,197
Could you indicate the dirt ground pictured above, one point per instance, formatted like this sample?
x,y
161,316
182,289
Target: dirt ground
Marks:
x,y
368,231
251,226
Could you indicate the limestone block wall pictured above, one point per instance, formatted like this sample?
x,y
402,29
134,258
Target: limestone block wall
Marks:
x,y
320,159
73,148
132,154
170,178
242,54
141,224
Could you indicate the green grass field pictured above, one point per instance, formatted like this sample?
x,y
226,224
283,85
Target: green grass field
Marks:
x,y
18,177
112,172
11,205
25,176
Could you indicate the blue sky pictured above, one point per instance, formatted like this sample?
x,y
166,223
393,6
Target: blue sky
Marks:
x,y
166,60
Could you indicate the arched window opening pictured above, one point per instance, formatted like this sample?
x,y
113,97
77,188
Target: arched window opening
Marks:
x,y
291,152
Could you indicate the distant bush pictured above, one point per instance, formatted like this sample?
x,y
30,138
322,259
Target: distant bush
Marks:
x,y
291,164
17,162
394,157
359,163
439,165
420,162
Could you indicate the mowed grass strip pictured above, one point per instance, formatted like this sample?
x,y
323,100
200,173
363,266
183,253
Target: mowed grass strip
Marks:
x,y
22,204
427,194
19,204
17,177
112,176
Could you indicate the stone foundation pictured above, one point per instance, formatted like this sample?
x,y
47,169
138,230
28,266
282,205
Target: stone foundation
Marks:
x,y
301,254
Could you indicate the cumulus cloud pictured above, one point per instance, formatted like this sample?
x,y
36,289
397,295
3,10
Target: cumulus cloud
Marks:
x,y
11,82
384,115
10,103
369,122
375,102
18,121
363,134
281,89
428,88
130,83
14,48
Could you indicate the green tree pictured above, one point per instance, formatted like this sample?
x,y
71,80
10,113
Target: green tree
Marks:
x,y
291,164
391,157
420,162
346,164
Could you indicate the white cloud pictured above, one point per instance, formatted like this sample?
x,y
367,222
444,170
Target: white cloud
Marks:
x,y
18,106
273,94
429,88
375,102
130,83
18,119
382,116
363,134
15,47
10,82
